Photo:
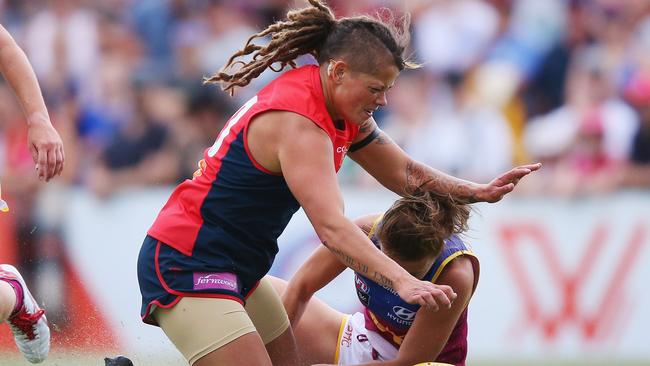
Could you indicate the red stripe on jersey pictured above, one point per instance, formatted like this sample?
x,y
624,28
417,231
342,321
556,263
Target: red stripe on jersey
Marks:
x,y
185,203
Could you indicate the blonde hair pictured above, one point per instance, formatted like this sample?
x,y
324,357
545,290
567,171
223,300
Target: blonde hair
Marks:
x,y
417,225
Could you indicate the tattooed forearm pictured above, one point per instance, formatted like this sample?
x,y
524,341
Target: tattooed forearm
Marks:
x,y
382,280
348,260
420,176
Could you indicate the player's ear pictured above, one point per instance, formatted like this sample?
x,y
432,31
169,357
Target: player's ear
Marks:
x,y
336,70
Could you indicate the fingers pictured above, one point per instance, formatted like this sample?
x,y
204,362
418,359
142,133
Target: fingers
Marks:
x,y
49,161
500,191
531,167
448,291
441,299
60,160
34,151
51,164
518,173
41,164
429,301
437,297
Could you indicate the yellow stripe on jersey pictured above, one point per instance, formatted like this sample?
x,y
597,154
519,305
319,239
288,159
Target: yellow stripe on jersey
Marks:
x,y
375,224
449,259
344,321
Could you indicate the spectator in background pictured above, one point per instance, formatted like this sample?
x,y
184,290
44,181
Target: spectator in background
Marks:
x,y
141,153
586,168
591,97
472,139
636,172
207,111
61,40
452,36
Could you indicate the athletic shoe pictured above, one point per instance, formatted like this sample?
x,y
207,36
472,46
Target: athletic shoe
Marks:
x,y
117,361
29,324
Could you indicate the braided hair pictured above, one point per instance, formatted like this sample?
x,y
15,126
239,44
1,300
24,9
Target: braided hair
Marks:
x,y
315,30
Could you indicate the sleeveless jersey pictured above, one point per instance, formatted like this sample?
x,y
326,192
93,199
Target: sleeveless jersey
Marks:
x,y
391,317
229,216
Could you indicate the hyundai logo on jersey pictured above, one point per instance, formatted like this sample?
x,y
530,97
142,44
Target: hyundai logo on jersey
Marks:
x,y
404,313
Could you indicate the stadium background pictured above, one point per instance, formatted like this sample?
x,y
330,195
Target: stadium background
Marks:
x,y
564,258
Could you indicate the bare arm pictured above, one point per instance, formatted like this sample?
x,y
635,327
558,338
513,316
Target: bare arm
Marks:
x,y
394,169
44,142
318,270
431,330
306,159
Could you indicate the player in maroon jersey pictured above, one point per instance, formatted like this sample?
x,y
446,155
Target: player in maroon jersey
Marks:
x,y
420,233
202,263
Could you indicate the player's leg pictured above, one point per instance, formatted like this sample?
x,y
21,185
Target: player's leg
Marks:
x,y
26,319
318,330
265,309
209,331
7,300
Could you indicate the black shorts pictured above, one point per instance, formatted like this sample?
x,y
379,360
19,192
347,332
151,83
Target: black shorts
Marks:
x,y
166,275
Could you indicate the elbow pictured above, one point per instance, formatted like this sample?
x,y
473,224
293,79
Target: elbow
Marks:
x,y
329,230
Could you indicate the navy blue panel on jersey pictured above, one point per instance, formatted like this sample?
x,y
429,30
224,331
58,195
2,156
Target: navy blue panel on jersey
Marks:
x,y
244,213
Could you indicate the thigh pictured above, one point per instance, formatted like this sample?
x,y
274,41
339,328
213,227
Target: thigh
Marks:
x,y
200,326
245,350
265,309
318,331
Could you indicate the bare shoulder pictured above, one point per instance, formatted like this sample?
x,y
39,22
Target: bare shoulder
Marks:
x,y
459,274
271,132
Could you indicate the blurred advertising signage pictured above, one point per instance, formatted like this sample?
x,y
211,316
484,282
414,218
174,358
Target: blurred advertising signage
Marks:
x,y
600,322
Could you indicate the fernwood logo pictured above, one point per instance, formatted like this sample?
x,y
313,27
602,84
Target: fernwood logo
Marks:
x,y
218,280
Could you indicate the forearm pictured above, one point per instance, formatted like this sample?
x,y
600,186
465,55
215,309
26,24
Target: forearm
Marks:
x,y
295,303
419,175
356,251
19,74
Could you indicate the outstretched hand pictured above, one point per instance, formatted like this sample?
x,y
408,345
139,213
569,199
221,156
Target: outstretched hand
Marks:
x,y
46,148
504,184
427,294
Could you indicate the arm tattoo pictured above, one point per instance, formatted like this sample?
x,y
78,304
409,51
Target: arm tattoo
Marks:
x,y
383,280
360,267
382,139
348,260
420,176
366,126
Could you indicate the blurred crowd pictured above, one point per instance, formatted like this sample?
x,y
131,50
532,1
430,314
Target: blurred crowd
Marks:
x,y
564,82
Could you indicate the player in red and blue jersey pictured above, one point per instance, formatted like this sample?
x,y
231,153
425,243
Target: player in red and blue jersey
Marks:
x,y
419,233
216,237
